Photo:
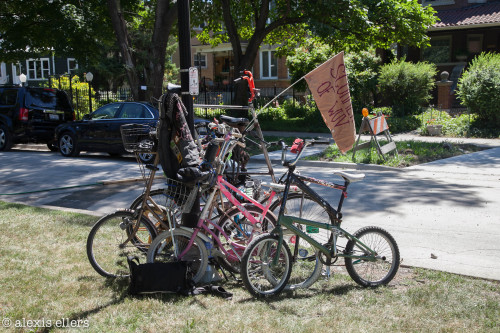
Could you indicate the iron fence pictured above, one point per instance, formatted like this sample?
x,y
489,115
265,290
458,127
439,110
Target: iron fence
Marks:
x,y
83,103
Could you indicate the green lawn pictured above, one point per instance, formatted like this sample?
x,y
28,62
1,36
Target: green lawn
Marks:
x,y
408,153
45,275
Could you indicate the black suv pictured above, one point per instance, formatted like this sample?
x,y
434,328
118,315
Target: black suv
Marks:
x,y
31,114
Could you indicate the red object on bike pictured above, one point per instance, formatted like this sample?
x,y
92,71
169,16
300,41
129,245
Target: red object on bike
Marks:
x,y
251,84
297,146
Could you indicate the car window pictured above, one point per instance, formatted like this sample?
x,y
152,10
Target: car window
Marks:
x,y
106,112
47,98
8,96
133,110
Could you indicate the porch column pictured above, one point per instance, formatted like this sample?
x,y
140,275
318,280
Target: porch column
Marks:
x,y
445,97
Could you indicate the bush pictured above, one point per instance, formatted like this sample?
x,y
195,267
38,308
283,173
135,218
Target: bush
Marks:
x,y
479,88
362,71
406,86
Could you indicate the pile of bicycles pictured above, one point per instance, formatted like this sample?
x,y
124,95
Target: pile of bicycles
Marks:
x,y
277,235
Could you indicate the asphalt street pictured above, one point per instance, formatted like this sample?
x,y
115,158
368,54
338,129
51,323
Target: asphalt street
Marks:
x,y
444,215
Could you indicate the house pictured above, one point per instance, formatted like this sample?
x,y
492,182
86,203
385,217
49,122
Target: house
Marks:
x,y
466,28
37,71
217,72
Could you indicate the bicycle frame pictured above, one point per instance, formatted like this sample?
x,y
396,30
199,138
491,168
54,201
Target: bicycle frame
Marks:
x,y
335,214
224,187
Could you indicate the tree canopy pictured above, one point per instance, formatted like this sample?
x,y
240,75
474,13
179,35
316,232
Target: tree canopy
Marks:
x,y
84,29
97,34
342,24
34,28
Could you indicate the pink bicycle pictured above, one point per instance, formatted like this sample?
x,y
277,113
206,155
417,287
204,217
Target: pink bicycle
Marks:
x,y
225,239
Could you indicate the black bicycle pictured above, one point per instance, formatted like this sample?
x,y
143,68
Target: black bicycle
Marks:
x,y
371,254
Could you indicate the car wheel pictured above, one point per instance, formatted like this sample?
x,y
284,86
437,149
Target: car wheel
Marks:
x,y
5,139
68,145
52,146
146,158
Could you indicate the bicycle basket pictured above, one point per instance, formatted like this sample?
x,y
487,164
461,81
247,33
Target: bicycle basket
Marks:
x,y
136,138
177,191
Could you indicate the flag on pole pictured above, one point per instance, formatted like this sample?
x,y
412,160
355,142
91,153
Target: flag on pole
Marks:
x,y
330,89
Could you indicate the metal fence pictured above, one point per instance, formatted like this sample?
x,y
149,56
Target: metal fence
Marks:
x,y
83,102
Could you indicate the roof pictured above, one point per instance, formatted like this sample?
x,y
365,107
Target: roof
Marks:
x,y
467,17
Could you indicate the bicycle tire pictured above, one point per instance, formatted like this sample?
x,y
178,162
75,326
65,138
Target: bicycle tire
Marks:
x,y
227,223
307,267
161,250
260,276
105,249
158,195
369,273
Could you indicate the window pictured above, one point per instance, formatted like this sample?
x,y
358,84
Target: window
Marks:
x,y
474,44
435,3
8,96
268,65
200,60
3,73
134,111
106,112
38,68
72,66
439,51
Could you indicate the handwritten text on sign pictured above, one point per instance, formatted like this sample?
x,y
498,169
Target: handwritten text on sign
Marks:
x,y
330,89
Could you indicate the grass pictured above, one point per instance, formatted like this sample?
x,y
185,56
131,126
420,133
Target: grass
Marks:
x,y
409,153
45,275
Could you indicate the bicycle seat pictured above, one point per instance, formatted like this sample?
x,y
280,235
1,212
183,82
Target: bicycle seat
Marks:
x,y
350,176
174,88
233,122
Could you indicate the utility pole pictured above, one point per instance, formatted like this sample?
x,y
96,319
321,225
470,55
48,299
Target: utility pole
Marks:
x,y
185,55
188,219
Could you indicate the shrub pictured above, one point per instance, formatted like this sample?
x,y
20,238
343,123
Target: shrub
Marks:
x,y
479,88
362,71
406,86
80,94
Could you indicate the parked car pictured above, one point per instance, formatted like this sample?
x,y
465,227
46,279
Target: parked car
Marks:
x,y
31,115
100,130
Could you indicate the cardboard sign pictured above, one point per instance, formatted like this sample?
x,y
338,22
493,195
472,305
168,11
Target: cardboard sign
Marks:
x,y
330,89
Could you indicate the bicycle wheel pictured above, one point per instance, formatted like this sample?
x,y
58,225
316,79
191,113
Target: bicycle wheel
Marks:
x,y
307,267
260,274
106,247
373,273
230,221
167,249
162,200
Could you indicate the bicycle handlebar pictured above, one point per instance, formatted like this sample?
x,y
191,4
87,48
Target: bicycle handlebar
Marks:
x,y
284,148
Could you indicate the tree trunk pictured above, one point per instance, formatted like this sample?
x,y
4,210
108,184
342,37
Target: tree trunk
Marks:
x,y
154,66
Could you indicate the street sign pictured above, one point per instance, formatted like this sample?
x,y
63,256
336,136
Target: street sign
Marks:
x,y
194,85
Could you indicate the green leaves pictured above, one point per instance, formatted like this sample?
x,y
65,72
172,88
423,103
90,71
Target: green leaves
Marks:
x,y
407,86
479,87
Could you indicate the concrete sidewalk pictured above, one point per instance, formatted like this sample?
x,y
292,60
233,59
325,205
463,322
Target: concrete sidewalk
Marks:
x,y
396,137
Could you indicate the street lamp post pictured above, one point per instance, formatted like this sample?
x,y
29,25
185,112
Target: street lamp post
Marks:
x,y
22,78
89,76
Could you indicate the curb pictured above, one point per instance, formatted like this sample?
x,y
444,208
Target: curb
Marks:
x,y
340,165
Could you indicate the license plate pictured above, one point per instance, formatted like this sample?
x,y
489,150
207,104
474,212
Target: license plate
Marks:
x,y
53,116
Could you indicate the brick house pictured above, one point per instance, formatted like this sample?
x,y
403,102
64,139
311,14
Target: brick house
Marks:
x,y
466,29
217,71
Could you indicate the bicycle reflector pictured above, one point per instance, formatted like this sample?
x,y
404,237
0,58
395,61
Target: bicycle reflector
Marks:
x,y
297,146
